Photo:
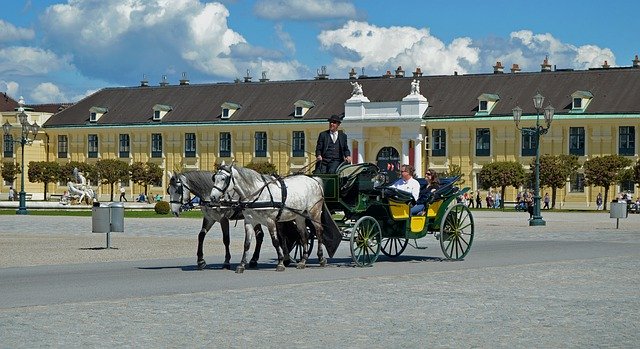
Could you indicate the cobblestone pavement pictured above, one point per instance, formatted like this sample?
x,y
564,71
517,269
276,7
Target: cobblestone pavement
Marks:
x,y
590,302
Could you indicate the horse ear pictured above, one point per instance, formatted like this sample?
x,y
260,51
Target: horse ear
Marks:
x,y
223,163
169,174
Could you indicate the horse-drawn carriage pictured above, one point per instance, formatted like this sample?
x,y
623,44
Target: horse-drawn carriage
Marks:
x,y
354,203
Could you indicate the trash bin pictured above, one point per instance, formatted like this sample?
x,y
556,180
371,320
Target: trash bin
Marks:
x,y
117,217
618,210
100,218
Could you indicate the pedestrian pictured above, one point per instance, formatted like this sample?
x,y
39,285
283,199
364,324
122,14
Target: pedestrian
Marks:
x,y
546,201
478,199
528,199
599,201
332,148
123,194
12,194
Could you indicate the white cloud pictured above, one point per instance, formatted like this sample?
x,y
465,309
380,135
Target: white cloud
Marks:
x,y
29,61
9,32
359,44
286,39
304,9
47,92
10,87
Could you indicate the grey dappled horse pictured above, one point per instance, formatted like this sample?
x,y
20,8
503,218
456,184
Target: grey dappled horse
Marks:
x,y
200,183
267,200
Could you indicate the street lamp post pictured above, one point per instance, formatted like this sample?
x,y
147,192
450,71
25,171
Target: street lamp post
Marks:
x,y
26,129
538,99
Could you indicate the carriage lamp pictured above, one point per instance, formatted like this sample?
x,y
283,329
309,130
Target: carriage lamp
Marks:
x,y
536,131
28,134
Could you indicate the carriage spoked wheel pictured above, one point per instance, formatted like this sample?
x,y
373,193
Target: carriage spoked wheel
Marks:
x,y
365,241
295,251
456,232
393,247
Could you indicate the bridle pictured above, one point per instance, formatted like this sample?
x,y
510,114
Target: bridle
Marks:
x,y
227,181
176,182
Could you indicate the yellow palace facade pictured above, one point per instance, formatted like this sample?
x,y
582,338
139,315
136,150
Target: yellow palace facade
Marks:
x,y
426,121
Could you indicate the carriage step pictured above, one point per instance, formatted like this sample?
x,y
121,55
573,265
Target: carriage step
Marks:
x,y
414,244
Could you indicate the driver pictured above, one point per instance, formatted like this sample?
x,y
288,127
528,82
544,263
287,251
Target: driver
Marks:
x,y
410,185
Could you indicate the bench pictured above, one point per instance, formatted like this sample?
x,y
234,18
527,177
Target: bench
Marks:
x,y
55,197
27,196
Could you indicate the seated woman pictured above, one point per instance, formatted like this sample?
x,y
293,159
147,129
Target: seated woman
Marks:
x,y
426,193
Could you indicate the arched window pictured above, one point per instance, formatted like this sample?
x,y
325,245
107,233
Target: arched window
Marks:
x,y
388,160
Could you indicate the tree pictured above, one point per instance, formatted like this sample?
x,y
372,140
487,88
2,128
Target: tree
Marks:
x,y
454,170
502,174
262,167
636,172
554,171
603,171
110,171
66,171
44,172
145,174
10,171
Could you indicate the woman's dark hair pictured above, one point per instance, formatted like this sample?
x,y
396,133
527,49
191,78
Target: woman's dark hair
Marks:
x,y
433,177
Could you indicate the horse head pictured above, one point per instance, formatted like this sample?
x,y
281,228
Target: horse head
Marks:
x,y
178,192
223,183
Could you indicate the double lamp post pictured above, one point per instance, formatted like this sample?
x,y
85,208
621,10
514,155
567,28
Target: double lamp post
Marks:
x,y
538,99
27,129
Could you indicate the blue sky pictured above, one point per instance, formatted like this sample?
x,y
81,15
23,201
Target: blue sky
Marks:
x,y
61,51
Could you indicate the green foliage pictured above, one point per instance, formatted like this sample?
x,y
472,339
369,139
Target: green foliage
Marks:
x,y
604,171
162,207
262,167
554,171
66,171
502,174
110,171
44,172
10,171
145,174
454,170
636,172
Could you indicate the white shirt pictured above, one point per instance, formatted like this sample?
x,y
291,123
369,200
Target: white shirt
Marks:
x,y
334,136
411,186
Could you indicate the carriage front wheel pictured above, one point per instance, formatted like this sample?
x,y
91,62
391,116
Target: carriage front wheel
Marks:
x,y
456,232
365,241
393,247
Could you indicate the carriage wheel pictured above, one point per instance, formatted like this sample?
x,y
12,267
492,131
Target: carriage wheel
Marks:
x,y
365,241
295,251
456,232
393,247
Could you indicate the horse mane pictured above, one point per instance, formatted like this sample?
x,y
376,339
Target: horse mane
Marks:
x,y
199,183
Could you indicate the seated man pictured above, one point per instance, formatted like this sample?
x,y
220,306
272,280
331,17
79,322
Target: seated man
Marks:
x,y
408,184
426,193
141,198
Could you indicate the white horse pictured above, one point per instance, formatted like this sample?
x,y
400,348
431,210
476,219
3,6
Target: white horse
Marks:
x,y
267,200
182,186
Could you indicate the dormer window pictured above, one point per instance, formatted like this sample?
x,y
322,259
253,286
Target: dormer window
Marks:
x,y
160,110
486,103
229,109
96,112
301,107
580,101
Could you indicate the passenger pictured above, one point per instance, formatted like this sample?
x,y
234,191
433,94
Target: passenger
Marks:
x,y
332,148
408,184
426,193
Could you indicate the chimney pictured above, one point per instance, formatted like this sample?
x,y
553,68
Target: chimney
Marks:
x,y
387,75
498,68
144,82
515,68
164,81
264,76
636,62
184,80
322,73
399,72
248,77
417,73
545,66
353,75
606,65
362,76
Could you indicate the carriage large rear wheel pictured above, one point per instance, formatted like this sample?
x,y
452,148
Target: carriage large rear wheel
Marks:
x,y
393,247
456,232
365,241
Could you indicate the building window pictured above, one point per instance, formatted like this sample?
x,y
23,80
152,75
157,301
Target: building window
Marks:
x,y
577,103
298,144
576,141
189,145
261,144
483,142
225,144
439,142
528,143
577,183
627,186
93,116
92,151
298,111
156,145
8,146
225,113
63,146
627,145
483,106
124,147
156,115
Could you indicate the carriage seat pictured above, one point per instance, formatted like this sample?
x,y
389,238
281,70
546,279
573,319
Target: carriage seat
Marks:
x,y
445,189
352,174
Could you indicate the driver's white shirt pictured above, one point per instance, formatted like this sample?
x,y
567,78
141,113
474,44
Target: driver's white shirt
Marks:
x,y
411,186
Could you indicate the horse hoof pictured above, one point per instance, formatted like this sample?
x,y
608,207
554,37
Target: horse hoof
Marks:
x,y
239,269
253,264
323,262
226,266
202,264
286,262
280,267
301,265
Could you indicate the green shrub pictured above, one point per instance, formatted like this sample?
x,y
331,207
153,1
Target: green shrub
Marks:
x,y
262,167
162,207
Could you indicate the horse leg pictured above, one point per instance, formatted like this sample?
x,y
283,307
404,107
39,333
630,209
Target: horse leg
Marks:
x,y
206,225
304,242
253,263
276,244
317,223
248,231
224,224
